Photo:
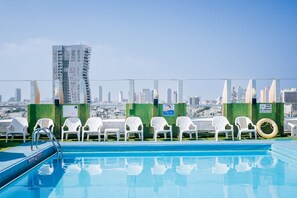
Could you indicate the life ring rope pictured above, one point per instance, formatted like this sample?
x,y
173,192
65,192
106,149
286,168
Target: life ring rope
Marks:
x,y
273,126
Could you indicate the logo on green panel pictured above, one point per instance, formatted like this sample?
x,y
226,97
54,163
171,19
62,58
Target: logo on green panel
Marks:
x,y
168,110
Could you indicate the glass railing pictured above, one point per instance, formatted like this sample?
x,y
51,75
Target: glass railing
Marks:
x,y
109,97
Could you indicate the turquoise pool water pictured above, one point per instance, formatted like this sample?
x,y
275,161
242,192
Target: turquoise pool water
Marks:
x,y
159,174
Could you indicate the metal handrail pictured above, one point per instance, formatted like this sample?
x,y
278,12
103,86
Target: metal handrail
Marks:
x,y
52,138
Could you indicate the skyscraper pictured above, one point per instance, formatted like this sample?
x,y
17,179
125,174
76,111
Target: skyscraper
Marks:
x,y
109,97
100,94
121,96
18,95
175,97
0,98
195,100
169,96
70,69
145,96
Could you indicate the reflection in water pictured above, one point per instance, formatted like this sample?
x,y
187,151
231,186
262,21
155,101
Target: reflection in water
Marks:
x,y
158,176
186,166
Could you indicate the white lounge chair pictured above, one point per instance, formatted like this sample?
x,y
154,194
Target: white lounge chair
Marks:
x,y
243,124
220,123
92,127
44,123
133,125
17,126
159,124
73,127
293,127
186,125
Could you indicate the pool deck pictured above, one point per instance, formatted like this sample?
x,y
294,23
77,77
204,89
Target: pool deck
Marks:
x,y
23,157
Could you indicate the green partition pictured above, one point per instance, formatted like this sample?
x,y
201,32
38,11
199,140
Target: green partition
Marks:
x,y
54,112
147,111
233,110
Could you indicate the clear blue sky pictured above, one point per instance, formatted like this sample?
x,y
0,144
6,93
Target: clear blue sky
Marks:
x,y
152,39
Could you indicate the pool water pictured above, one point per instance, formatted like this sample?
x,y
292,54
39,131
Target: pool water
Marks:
x,y
159,174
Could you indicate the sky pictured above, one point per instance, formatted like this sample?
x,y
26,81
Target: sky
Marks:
x,y
151,39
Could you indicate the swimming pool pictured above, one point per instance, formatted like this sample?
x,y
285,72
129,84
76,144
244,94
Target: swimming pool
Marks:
x,y
154,173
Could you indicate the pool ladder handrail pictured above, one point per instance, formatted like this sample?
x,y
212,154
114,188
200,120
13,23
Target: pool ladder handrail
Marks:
x,y
52,138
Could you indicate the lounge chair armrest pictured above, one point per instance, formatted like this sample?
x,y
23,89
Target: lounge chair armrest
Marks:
x,y
195,126
168,125
83,127
292,125
231,126
238,126
254,126
8,128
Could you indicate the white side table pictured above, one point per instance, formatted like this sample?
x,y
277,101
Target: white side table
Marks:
x,y
111,131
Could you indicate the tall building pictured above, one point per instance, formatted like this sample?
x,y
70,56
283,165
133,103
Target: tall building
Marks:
x,y
121,96
195,100
109,97
169,96
71,70
289,96
0,98
100,94
175,97
18,95
145,96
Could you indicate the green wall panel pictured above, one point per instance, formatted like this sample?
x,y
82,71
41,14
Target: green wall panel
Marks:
x,y
54,112
147,111
233,110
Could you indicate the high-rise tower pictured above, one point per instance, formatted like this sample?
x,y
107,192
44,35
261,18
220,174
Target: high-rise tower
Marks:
x,y
71,71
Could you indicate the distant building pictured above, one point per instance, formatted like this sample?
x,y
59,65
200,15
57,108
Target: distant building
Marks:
x,y
71,69
18,95
11,99
264,95
175,97
100,99
241,94
289,96
121,97
145,96
195,100
109,97
169,96
0,98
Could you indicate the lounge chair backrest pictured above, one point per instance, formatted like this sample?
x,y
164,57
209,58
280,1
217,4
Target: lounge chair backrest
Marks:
x,y
72,123
94,123
44,123
158,123
18,124
243,122
220,122
184,122
133,123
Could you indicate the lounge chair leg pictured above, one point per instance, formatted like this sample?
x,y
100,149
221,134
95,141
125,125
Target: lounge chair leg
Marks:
x,y
181,137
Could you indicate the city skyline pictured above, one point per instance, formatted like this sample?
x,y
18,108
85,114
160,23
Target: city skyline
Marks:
x,y
189,39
